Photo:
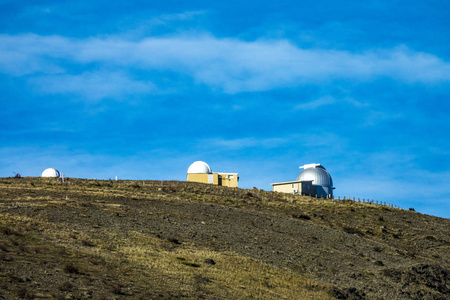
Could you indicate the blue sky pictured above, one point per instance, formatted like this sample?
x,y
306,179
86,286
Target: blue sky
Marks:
x,y
142,89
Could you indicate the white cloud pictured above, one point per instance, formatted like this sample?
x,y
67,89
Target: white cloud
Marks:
x,y
229,65
306,140
243,143
93,86
185,16
323,101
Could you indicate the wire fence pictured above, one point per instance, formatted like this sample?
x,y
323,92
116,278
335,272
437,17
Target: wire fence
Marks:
x,y
368,201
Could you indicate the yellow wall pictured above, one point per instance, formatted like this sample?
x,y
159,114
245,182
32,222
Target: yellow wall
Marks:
x,y
224,179
229,179
299,187
198,178
287,187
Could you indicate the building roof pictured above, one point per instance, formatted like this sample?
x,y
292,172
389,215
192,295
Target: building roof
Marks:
x,y
289,182
199,167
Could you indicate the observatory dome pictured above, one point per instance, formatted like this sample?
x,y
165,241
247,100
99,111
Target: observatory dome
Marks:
x,y
50,172
199,167
318,174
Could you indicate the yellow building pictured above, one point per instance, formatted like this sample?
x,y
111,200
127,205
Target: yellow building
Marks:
x,y
295,187
199,171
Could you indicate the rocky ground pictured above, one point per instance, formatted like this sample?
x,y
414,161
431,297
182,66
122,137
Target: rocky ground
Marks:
x,y
89,239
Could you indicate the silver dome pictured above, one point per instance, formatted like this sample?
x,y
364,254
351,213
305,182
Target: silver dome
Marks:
x,y
320,178
318,175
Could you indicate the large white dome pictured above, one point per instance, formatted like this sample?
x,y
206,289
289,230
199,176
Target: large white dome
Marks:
x,y
321,179
50,172
318,174
199,167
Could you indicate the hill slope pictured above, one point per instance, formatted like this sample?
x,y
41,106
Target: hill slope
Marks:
x,y
89,239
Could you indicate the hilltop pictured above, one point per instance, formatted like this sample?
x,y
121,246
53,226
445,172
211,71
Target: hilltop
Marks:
x,y
105,239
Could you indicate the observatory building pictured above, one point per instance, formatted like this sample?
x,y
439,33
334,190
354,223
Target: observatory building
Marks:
x,y
200,171
50,172
314,180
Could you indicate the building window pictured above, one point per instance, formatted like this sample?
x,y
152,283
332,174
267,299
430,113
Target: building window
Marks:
x,y
308,186
292,185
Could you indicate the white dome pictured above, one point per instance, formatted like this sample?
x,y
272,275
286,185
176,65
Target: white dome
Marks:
x,y
199,167
321,179
50,172
317,174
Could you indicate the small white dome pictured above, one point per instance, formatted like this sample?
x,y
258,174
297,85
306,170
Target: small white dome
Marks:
x,y
50,172
199,167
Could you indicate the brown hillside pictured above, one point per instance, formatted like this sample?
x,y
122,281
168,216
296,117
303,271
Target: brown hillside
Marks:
x,y
89,239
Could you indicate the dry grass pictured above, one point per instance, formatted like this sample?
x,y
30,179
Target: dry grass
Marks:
x,y
134,258
102,239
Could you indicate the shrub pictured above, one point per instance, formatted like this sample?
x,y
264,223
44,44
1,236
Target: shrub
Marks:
x,y
8,231
173,240
71,269
303,217
353,231
66,287
88,243
190,264
24,294
430,238
117,289
210,261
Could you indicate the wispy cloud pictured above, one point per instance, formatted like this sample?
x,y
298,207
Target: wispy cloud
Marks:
x,y
185,16
93,86
229,65
242,143
323,101
306,140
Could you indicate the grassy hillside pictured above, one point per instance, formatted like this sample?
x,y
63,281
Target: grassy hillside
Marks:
x,y
90,239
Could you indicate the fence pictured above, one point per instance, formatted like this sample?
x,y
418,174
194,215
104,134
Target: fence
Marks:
x,y
368,201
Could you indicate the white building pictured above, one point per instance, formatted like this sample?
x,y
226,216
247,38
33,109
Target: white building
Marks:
x,y
199,171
